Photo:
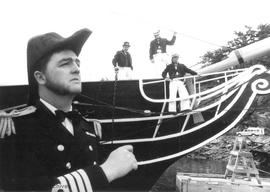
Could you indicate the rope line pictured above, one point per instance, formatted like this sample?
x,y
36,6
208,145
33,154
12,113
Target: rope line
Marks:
x,y
202,40
114,101
264,171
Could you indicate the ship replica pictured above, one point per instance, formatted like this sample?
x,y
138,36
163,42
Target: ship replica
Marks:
x,y
135,111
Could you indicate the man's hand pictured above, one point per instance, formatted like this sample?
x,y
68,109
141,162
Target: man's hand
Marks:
x,y
174,33
119,163
116,69
152,60
167,79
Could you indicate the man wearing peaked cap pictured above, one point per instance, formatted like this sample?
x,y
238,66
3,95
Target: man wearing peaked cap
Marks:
x,y
122,63
54,148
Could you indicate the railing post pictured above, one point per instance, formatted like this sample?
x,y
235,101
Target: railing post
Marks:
x,y
162,111
194,81
165,90
226,78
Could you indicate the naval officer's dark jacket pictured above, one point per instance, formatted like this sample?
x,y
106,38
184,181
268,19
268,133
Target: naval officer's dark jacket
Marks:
x,y
43,154
179,71
122,59
160,44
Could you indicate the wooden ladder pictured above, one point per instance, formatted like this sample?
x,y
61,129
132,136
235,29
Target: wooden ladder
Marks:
x,y
241,161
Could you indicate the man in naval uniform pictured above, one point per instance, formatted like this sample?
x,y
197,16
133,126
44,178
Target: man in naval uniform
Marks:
x,y
122,63
158,52
55,148
177,70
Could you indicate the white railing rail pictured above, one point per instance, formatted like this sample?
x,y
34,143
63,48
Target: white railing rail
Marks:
x,y
197,83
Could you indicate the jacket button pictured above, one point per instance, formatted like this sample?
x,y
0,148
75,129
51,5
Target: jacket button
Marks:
x,y
95,163
68,165
60,147
90,148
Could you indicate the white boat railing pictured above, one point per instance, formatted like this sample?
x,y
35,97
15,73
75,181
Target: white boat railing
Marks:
x,y
227,77
227,80
202,100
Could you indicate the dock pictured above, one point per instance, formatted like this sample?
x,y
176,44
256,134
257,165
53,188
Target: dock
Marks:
x,y
194,182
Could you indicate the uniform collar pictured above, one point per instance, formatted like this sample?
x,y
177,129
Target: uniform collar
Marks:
x,y
124,52
51,126
51,107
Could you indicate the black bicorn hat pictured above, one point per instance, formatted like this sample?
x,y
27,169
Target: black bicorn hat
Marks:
x,y
43,45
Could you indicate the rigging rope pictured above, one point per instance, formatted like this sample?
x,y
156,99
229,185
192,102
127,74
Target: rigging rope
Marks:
x,y
202,40
167,28
106,105
114,100
264,171
146,128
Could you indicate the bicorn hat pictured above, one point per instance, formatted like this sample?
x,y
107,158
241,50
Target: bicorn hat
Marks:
x,y
46,44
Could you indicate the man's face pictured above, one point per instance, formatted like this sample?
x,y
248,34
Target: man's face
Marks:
x,y
125,48
62,73
157,36
175,59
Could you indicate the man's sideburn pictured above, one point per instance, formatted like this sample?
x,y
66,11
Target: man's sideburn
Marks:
x,y
57,88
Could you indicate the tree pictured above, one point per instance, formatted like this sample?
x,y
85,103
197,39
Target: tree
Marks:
x,y
215,56
263,31
243,38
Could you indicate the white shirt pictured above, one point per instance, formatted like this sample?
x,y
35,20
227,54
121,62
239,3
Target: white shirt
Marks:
x,y
66,123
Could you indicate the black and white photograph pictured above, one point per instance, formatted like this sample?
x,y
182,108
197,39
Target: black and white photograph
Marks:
x,y
140,96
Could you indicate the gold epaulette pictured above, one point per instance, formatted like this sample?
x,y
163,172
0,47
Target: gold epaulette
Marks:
x,y
6,122
24,111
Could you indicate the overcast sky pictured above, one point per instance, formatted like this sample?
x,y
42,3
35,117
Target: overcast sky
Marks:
x,y
116,21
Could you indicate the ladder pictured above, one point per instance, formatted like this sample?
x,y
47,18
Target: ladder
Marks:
x,y
241,161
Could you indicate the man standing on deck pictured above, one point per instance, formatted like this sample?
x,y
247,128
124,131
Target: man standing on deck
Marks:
x,y
122,63
177,70
158,51
55,148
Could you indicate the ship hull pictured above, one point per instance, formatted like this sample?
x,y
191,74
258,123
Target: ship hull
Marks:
x,y
158,140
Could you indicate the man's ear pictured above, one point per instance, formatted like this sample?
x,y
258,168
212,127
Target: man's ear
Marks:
x,y
40,77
